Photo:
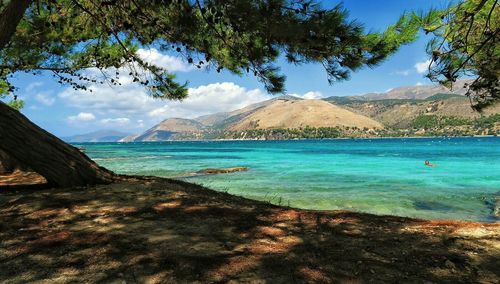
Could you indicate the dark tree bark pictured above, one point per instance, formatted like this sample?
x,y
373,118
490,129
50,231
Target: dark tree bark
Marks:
x,y
34,148
10,18
8,164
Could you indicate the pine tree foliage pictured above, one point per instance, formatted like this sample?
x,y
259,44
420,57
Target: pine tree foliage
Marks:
x,y
466,45
70,37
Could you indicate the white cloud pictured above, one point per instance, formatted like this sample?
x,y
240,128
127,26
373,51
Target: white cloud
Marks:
x,y
208,99
312,95
115,121
33,86
419,84
403,72
132,102
45,99
309,95
43,96
105,100
82,116
170,63
422,67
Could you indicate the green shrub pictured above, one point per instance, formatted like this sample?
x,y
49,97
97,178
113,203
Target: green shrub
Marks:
x,y
426,121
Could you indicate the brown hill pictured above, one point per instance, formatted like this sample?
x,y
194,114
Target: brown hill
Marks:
x,y
222,119
165,129
302,113
401,113
179,125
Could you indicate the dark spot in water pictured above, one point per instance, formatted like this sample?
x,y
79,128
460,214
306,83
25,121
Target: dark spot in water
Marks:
x,y
432,206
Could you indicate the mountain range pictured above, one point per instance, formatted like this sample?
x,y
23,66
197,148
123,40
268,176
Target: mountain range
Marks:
x,y
403,111
285,112
373,114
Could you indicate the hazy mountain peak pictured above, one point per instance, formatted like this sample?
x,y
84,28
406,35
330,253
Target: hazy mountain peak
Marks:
x,y
416,92
97,136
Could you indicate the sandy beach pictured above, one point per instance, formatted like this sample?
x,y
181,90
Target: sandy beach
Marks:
x,y
153,230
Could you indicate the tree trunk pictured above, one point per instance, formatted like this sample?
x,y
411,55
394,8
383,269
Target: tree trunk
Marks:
x,y
61,164
8,164
10,18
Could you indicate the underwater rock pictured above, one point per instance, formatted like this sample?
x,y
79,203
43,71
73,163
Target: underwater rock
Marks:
x,y
432,206
212,171
496,208
493,203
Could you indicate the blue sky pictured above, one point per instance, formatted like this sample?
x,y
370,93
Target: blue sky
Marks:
x,y
64,112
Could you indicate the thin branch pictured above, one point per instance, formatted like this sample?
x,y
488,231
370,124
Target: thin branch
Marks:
x,y
483,44
489,15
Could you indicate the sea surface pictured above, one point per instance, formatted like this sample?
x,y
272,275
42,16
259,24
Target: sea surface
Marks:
x,y
381,176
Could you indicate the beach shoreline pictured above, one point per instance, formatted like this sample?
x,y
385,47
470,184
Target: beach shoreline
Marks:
x,y
335,174
149,229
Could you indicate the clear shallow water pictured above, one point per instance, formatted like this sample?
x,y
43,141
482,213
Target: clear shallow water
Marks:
x,y
382,176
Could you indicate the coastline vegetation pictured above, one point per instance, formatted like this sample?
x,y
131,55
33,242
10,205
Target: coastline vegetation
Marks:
x,y
434,121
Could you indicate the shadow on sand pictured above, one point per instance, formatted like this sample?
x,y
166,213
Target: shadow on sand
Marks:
x,y
158,230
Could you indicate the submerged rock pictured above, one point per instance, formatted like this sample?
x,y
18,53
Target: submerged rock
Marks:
x,y
212,171
496,208
493,204
432,206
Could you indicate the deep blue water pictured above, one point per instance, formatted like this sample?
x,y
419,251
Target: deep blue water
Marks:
x,y
382,176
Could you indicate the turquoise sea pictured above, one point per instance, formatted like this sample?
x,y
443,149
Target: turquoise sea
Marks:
x,y
382,176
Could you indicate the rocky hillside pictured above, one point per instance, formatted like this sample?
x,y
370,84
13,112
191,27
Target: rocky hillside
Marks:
x,y
401,113
168,128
